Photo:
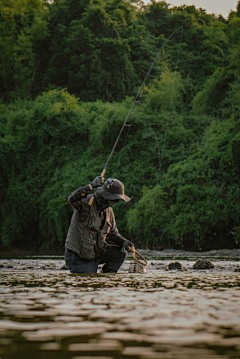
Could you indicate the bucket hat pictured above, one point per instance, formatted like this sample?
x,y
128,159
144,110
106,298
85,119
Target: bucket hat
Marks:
x,y
113,189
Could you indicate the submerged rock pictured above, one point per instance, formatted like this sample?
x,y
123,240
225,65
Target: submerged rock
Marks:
x,y
237,269
175,265
203,264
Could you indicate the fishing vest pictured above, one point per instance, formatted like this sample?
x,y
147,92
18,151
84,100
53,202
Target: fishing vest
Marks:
x,y
87,239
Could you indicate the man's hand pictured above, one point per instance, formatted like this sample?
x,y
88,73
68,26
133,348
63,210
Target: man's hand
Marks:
x,y
97,182
132,248
129,246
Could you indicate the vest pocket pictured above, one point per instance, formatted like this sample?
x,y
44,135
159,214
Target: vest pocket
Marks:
x,y
87,248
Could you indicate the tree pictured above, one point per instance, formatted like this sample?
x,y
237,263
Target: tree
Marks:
x,y
23,31
238,9
89,48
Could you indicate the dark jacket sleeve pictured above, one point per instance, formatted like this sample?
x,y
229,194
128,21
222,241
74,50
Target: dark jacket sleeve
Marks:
x,y
75,199
114,235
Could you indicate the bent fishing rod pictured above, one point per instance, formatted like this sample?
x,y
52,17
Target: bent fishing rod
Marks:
x,y
136,98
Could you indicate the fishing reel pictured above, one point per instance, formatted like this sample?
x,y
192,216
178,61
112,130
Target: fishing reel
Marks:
x,y
108,183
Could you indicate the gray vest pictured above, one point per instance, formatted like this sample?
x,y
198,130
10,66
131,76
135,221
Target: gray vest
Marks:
x,y
87,239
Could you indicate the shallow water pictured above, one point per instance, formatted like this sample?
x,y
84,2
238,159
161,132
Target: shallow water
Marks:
x,y
48,313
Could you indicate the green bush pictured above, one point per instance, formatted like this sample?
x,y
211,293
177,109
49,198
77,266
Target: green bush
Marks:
x,y
196,204
55,144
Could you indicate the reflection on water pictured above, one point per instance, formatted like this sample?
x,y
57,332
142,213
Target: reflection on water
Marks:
x,y
54,314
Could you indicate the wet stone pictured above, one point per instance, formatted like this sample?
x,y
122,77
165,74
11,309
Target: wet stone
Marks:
x,y
175,265
203,264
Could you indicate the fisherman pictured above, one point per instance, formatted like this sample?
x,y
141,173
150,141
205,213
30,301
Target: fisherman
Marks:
x,y
93,237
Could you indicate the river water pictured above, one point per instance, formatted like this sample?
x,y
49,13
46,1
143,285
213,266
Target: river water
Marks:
x,y
49,313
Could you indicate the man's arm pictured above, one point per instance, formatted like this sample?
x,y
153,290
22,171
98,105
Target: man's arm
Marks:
x,y
116,237
75,199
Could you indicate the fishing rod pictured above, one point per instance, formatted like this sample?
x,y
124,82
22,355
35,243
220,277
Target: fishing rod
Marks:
x,y
136,99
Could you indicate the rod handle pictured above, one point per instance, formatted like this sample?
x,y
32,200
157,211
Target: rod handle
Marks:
x,y
103,172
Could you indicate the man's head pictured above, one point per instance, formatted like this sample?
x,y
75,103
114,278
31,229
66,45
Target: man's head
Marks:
x,y
111,192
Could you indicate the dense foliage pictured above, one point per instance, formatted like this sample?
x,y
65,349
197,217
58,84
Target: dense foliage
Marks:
x,y
69,71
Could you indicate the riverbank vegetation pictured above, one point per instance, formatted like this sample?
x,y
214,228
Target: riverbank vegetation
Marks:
x,y
69,73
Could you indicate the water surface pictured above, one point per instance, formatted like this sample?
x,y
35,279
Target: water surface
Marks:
x,y
48,313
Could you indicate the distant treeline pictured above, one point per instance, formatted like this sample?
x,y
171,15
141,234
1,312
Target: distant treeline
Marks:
x,y
69,73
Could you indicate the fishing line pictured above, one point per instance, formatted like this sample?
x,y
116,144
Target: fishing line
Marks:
x,y
137,98
165,136
122,150
140,95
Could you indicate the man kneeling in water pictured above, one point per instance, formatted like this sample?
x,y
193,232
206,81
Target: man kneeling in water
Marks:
x,y
93,237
